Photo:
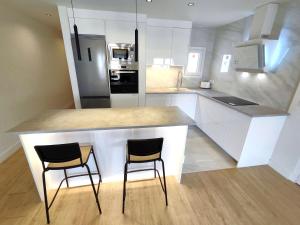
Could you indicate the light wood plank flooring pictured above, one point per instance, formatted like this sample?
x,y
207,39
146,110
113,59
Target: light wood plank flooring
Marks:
x,y
250,196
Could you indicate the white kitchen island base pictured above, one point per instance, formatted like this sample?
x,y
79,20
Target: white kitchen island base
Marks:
x,y
109,146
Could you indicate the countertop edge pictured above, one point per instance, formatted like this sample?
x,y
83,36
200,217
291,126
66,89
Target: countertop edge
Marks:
x,y
197,92
96,129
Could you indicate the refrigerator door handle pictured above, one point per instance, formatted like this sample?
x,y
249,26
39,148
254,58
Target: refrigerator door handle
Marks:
x,y
89,54
127,71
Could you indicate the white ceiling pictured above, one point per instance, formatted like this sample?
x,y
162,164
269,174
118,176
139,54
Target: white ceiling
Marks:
x,y
37,9
206,13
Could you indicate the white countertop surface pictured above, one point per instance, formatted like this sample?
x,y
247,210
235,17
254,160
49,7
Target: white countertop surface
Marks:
x,y
103,119
249,110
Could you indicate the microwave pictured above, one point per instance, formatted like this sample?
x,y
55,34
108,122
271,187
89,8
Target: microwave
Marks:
x,y
121,52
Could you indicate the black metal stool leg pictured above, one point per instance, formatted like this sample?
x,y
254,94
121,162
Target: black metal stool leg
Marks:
x,y
93,186
124,187
65,172
154,169
165,184
97,167
45,197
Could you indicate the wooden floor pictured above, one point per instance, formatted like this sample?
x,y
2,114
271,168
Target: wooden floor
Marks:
x,y
251,196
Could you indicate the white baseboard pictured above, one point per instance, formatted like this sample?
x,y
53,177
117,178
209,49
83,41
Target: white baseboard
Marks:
x,y
9,151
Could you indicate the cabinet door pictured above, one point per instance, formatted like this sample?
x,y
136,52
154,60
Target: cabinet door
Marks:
x,y
186,102
180,46
124,100
159,42
227,127
120,32
88,26
158,100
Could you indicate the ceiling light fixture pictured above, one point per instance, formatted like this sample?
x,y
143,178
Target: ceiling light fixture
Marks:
x,y
148,0
191,4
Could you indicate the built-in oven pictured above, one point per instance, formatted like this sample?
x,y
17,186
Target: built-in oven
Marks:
x,y
121,52
124,79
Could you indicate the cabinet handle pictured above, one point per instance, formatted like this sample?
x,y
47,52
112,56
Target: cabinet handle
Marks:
x,y
119,72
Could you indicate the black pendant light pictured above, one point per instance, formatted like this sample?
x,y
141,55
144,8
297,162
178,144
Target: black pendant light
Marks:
x,y
136,36
76,34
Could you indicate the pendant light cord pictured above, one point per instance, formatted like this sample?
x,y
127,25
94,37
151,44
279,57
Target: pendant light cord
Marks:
x,y
73,10
136,23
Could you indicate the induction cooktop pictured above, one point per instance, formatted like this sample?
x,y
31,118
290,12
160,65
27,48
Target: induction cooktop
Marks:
x,y
234,101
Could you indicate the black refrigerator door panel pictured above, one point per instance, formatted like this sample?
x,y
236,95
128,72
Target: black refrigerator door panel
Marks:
x,y
95,102
91,69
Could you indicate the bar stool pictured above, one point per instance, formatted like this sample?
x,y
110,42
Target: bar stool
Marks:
x,y
143,151
63,157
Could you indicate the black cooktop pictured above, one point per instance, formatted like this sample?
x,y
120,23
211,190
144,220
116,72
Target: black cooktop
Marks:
x,y
234,101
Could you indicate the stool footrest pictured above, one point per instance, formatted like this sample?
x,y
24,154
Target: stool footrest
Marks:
x,y
73,176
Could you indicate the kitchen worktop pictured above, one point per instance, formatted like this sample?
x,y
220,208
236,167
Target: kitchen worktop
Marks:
x,y
249,110
103,119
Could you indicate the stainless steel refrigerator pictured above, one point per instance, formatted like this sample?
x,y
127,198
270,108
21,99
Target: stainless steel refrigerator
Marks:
x,y
91,72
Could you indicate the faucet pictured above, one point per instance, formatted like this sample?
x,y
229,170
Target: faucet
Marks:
x,y
179,80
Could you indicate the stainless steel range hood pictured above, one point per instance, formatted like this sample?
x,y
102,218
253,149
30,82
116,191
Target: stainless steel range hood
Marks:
x,y
263,21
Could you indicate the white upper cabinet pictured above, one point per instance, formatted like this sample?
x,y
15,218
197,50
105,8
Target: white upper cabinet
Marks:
x,y
180,46
167,45
120,31
88,26
159,44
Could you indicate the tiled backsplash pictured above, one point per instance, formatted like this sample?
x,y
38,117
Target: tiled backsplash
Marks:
x,y
162,76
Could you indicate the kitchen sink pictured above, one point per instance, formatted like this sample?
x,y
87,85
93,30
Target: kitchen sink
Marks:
x,y
234,101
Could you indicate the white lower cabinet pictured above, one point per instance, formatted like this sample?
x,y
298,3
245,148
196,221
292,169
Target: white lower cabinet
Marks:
x,y
158,100
249,140
227,127
186,102
124,100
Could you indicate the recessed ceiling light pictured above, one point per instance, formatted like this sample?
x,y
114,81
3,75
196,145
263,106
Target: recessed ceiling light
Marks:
x,y
148,0
191,4
48,14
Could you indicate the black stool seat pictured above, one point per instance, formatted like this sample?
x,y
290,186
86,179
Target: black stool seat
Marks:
x,y
85,154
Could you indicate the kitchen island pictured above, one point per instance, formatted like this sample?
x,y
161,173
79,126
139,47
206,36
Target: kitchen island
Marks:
x,y
108,131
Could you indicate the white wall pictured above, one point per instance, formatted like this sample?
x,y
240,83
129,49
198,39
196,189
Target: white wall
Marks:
x,y
33,73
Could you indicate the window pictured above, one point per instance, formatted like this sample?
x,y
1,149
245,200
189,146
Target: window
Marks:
x,y
195,64
225,63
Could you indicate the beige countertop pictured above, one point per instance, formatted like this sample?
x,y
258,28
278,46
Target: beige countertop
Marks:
x,y
103,119
249,110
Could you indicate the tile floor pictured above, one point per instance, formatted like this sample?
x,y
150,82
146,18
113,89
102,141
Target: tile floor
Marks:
x,y
202,154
